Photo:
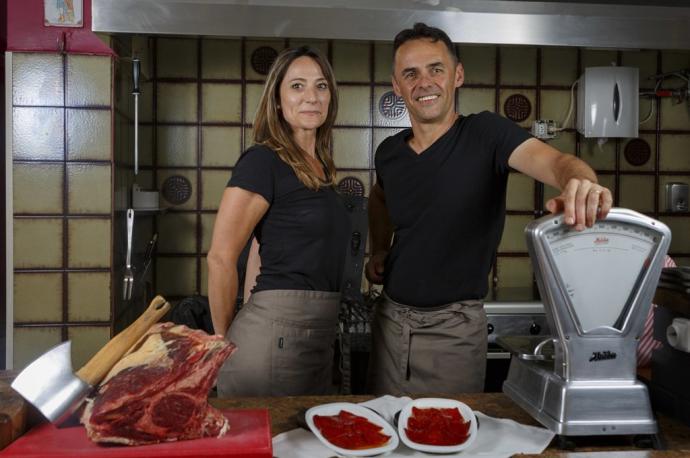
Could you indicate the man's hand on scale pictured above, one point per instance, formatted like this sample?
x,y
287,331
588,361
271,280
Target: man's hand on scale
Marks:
x,y
582,203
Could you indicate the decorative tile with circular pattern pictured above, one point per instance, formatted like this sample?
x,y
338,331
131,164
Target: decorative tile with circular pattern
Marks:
x,y
177,189
637,152
391,106
352,186
262,59
517,107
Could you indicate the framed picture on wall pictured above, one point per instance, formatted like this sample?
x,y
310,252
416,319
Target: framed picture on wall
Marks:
x,y
63,13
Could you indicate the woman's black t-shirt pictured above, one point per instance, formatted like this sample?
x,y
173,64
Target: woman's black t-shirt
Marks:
x,y
303,235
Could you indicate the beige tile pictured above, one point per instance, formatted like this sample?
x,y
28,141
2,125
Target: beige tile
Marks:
x,y
89,296
260,57
379,136
89,188
520,194
351,60
177,233
674,60
248,137
564,142
207,222
220,146
674,115
518,65
649,165
176,276
476,100
354,106
176,57
89,242
213,183
681,261
86,341
479,63
383,62
363,177
385,101
88,134
37,297
37,79
189,175
531,96
637,192
609,182
674,152
30,343
88,80
177,145
598,58
554,106
177,102
204,277
145,146
663,180
514,272
599,157
680,231
37,188
38,133
513,239
37,243
647,113
221,59
320,45
252,96
221,102
351,148
558,66
645,61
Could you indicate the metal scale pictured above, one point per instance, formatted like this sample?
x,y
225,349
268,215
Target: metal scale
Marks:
x,y
597,286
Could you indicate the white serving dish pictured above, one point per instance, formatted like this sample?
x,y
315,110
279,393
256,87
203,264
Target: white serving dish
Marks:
x,y
334,409
441,403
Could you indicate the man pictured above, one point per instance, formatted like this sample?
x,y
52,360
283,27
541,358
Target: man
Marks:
x,y
440,191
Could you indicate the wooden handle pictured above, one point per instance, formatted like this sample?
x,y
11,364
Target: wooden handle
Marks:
x,y
98,366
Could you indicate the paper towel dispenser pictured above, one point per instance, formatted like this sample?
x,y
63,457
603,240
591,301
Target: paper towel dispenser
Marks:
x,y
608,102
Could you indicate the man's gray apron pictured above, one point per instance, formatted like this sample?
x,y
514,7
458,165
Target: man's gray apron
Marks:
x,y
284,344
428,350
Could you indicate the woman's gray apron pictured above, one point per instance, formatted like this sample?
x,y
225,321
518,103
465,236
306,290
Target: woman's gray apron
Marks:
x,y
284,344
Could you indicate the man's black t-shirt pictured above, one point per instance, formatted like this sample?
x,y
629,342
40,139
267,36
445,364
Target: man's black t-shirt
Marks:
x,y
303,235
447,206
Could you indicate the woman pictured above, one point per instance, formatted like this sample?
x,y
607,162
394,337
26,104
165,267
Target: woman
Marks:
x,y
282,191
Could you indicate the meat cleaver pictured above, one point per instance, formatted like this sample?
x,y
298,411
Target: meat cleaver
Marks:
x,y
49,383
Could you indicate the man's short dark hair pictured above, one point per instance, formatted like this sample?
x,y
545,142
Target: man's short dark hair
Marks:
x,y
421,30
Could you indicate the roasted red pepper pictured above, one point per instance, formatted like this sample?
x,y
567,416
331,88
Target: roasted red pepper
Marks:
x,y
350,431
432,426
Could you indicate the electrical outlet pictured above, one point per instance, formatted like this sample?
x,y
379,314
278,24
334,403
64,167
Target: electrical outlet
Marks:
x,y
544,128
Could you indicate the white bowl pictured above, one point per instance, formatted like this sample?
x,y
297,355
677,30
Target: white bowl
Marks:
x,y
441,403
334,409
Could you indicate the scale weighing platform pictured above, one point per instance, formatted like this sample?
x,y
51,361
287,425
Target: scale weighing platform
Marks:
x,y
597,287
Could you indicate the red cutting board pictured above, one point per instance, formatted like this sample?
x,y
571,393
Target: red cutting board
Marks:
x,y
249,437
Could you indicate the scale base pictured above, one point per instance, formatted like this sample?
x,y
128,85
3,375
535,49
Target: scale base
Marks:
x,y
579,408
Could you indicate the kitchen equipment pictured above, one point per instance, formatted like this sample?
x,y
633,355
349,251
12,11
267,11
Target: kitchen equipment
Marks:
x,y
677,197
13,412
249,437
597,286
128,279
608,102
136,71
49,383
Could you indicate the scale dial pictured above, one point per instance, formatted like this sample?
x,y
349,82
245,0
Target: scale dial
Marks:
x,y
600,269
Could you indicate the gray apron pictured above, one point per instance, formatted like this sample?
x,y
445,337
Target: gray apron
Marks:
x,y
284,344
438,350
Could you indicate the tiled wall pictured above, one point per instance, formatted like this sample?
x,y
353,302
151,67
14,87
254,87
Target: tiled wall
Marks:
x,y
202,94
62,202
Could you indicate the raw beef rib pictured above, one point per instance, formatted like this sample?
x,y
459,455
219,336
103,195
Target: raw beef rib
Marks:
x,y
158,391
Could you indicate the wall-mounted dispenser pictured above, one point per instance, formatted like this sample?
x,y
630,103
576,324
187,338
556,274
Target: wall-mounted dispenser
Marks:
x,y
608,102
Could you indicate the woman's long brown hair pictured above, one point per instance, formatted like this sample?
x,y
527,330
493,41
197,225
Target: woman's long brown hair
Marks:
x,y
271,128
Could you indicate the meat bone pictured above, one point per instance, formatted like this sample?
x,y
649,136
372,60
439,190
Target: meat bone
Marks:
x,y
49,383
